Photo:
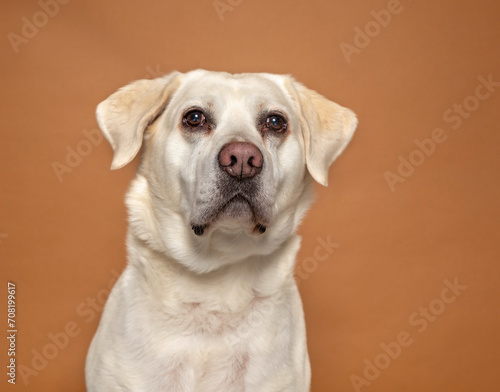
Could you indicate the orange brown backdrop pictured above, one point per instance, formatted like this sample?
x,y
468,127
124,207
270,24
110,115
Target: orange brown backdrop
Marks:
x,y
399,267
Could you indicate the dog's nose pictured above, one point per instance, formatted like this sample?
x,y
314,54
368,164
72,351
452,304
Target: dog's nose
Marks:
x,y
242,160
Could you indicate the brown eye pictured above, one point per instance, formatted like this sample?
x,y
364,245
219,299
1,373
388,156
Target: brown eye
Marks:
x,y
276,123
194,118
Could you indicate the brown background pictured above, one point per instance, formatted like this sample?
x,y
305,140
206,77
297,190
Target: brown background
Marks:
x,y
63,241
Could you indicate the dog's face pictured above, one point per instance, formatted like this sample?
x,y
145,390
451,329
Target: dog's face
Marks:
x,y
227,159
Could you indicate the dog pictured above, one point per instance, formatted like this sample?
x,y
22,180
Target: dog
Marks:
x,y
208,301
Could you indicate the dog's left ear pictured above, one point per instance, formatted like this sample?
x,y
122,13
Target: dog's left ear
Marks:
x,y
327,129
124,115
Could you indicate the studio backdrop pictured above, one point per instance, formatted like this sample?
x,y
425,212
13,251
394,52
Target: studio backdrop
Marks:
x,y
399,265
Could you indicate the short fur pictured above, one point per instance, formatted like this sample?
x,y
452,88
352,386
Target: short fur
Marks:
x,y
217,309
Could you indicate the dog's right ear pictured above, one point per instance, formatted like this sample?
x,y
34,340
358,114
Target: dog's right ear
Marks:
x,y
124,115
327,128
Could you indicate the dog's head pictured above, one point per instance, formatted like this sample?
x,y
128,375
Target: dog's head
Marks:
x,y
227,159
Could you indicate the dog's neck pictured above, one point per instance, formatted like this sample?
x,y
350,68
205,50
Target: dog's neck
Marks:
x,y
231,287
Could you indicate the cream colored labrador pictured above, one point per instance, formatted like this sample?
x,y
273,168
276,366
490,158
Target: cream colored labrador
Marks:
x,y
208,300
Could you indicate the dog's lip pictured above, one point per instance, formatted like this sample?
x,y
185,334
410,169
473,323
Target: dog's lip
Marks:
x,y
238,198
259,224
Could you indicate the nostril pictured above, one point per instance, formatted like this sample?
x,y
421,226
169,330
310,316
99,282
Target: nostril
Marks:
x,y
242,160
255,161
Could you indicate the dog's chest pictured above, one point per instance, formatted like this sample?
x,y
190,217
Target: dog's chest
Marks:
x,y
212,349
198,365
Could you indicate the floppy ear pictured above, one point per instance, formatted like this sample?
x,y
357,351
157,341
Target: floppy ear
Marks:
x,y
327,129
124,115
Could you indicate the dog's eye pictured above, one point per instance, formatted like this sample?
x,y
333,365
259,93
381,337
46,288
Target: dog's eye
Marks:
x,y
276,123
194,118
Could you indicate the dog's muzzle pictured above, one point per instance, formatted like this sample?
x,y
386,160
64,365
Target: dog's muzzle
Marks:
x,y
240,162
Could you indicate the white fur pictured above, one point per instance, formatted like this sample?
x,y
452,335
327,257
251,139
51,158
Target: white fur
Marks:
x,y
221,311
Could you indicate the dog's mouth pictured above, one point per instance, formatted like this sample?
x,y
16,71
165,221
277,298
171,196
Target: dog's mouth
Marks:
x,y
238,208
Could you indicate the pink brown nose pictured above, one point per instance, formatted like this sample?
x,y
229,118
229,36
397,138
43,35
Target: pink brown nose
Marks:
x,y
242,160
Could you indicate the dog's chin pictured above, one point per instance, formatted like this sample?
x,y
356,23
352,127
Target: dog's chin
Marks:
x,y
237,214
237,209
